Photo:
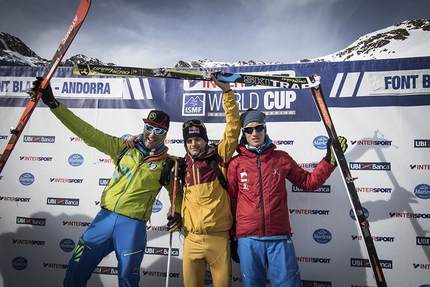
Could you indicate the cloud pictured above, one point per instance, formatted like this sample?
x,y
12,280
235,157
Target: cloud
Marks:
x,y
160,33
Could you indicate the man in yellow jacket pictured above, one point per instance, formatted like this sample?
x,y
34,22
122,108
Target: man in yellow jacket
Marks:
x,y
206,211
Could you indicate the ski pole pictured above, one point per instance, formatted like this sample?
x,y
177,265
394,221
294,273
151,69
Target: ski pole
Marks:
x,y
175,183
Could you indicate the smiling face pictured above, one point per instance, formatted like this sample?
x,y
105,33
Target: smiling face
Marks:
x,y
195,145
254,133
152,136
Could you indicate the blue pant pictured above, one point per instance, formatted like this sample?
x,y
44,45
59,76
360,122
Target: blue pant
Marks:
x,y
277,256
108,232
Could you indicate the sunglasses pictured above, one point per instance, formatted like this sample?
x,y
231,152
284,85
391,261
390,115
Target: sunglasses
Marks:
x,y
250,130
196,123
158,131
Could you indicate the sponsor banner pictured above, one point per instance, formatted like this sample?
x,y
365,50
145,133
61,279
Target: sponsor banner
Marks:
x,y
52,186
393,82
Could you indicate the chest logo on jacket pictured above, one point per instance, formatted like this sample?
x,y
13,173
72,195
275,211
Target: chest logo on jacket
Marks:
x,y
244,180
153,165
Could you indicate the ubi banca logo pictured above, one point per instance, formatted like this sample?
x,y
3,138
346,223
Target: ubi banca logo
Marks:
x,y
421,143
76,159
104,181
62,201
370,166
39,139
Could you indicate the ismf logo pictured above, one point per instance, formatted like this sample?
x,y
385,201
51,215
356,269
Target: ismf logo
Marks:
x,y
193,104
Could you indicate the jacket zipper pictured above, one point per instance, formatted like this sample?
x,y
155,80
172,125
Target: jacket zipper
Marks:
x,y
128,183
196,174
261,195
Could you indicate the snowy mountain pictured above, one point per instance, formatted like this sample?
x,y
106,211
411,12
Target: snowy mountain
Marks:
x,y
409,38
211,64
404,40
13,50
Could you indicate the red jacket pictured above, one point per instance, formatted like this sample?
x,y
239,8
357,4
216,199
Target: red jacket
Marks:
x,y
258,191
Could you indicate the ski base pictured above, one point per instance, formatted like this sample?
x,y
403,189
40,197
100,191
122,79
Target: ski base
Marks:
x,y
287,82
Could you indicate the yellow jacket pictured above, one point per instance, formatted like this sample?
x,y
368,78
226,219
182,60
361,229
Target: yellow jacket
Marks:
x,y
206,204
135,184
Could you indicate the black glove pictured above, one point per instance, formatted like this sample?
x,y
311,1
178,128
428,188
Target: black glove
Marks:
x,y
233,249
330,156
175,222
47,95
181,167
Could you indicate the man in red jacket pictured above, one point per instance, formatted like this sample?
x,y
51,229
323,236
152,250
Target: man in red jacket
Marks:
x,y
257,187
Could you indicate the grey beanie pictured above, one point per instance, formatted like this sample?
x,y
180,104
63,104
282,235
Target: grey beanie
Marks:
x,y
252,115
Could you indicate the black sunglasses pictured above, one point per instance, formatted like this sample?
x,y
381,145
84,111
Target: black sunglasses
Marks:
x,y
257,128
196,123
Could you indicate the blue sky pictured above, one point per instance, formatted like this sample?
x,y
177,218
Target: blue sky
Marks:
x,y
159,33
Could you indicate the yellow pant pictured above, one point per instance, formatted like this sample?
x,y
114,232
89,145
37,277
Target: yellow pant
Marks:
x,y
212,249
